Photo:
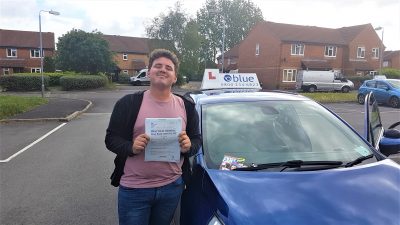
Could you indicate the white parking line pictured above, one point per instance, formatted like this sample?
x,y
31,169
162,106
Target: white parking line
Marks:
x,y
32,144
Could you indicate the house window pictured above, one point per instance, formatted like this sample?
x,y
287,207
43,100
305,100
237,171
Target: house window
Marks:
x,y
361,52
385,64
330,51
11,52
297,49
373,72
125,72
257,49
289,75
125,56
35,70
35,53
375,53
6,71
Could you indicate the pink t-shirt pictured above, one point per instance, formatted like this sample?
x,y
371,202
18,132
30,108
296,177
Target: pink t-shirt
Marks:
x,y
141,174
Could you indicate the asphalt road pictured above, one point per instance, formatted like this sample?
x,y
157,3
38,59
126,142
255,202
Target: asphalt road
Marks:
x,y
64,179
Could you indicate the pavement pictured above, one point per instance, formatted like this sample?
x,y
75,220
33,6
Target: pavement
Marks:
x,y
57,109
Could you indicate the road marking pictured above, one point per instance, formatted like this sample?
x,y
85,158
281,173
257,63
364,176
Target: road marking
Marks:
x,y
32,144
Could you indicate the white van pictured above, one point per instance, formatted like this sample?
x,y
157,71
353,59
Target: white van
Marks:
x,y
141,78
312,81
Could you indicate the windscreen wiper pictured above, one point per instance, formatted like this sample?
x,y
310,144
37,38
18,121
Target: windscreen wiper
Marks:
x,y
292,164
358,160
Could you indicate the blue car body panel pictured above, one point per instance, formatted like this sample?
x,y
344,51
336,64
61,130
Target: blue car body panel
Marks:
x,y
366,194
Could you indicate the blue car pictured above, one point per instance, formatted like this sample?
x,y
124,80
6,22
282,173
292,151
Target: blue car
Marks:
x,y
281,158
386,91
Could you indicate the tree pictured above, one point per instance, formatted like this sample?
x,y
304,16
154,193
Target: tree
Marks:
x,y
190,52
49,64
238,17
169,26
83,52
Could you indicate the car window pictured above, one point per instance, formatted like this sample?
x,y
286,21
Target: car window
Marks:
x,y
370,84
381,85
394,83
276,131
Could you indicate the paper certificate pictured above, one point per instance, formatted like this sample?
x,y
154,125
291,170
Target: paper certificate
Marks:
x,y
164,143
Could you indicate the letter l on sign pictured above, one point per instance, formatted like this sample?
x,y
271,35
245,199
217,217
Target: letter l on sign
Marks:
x,y
210,76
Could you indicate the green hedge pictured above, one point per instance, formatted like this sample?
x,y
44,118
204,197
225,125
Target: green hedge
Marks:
x,y
54,77
391,73
23,82
80,82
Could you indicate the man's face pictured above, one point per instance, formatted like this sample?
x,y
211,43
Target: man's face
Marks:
x,y
162,73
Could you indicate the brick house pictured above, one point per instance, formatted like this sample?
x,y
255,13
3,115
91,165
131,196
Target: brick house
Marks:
x,y
391,59
20,50
132,53
276,52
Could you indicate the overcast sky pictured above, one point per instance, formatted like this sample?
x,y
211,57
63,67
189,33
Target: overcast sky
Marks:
x,y
129,17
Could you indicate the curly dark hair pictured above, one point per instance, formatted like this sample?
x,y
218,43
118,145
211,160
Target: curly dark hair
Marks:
x,y
158,53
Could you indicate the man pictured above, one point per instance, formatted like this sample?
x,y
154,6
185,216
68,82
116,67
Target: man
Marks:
x,y
149,191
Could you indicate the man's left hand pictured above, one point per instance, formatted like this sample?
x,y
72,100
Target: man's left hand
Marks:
x,y
184,142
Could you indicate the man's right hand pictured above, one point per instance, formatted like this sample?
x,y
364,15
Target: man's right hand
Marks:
x,y
140,142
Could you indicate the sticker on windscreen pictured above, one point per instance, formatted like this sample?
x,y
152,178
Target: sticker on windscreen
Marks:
x,y
231,163
363,151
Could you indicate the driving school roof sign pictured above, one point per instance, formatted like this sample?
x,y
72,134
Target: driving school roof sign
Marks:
x,y
212,79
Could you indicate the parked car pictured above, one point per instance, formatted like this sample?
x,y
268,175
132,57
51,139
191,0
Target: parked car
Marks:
x,y
386,91
282,158
141,78
312,81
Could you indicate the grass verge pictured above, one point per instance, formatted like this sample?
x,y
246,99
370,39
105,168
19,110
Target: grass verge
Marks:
x,y
332,97
12,105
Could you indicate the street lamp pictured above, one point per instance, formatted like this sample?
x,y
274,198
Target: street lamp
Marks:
x,y
41,44
381,51
223,46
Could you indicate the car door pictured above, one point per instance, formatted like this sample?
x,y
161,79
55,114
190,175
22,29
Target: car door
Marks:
x,y
381,92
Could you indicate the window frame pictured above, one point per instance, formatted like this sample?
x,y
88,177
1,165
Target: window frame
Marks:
x,y
293,75
125,56
6,69
34,51
12,50
297,49
360,50
35,70
257,49
375,53
330,49
125,72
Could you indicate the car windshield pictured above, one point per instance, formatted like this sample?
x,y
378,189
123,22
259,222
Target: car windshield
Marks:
x,y
394,83
276,131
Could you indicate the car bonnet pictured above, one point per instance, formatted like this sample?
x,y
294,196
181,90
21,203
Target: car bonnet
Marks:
x,y
366,194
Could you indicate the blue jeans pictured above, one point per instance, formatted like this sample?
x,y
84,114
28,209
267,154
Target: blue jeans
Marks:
x,y
149,206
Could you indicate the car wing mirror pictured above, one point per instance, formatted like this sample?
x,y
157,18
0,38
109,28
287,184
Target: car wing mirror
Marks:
x,y
387,142
390,143
373,129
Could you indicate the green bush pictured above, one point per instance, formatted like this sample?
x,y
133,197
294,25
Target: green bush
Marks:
x,y
80,82
23,82
391,73
124,79
54,77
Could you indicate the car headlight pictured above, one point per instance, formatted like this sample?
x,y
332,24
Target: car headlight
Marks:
x,y
215,221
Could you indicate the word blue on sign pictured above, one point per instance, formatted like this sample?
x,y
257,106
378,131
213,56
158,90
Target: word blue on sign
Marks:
x,y
238,78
